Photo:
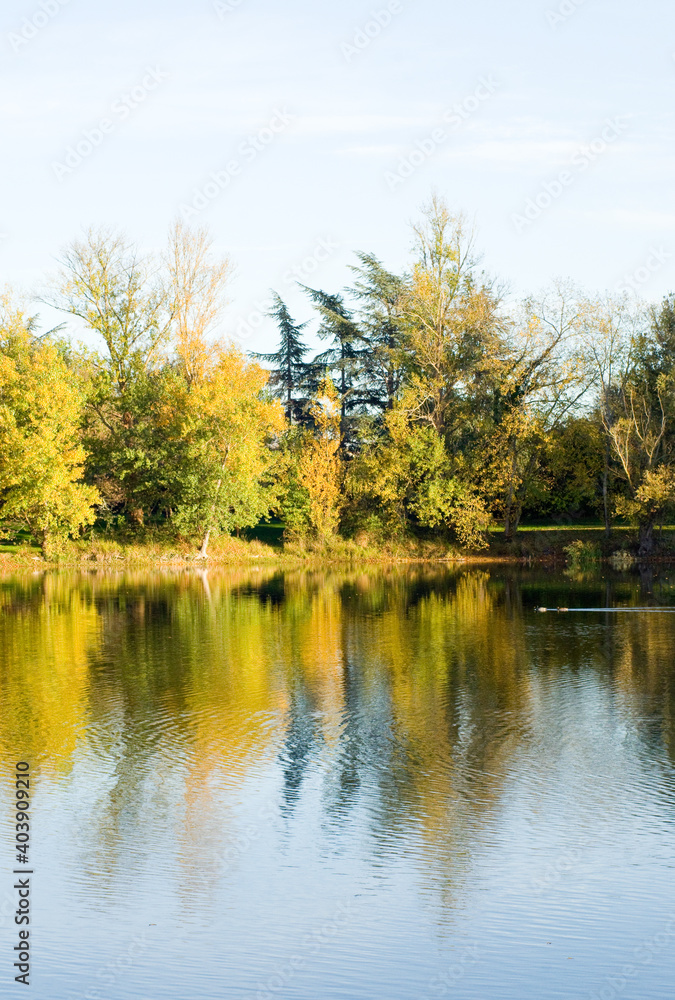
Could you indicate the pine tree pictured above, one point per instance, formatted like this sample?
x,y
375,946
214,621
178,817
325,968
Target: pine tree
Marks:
x,y
292,378
345,358
379,292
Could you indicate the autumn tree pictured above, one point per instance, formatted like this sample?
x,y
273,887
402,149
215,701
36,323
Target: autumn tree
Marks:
x,y
41,457
430,331
408,480
438,409
153,312
219,426
196,280
119,293
312,495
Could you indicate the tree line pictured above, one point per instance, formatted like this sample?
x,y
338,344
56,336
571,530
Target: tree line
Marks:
x,y
436,408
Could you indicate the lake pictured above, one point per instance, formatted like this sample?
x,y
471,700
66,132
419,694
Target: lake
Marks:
x,y
367,785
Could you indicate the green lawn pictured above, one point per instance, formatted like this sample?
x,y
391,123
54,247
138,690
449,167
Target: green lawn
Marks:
x,y
581,526
22,539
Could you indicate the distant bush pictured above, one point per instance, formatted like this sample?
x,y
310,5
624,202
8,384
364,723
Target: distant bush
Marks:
x,y
621,559
582,555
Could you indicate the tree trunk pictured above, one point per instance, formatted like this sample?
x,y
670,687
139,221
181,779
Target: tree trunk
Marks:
x,y
605,490
507,524
646,538
136,515
608,421
509,527
510,519
50,545
207,534
45,547
205,544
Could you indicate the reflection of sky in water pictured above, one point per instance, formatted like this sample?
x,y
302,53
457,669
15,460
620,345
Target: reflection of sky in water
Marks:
x,y
399,786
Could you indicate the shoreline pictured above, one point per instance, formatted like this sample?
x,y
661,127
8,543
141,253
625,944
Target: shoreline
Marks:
x,y
580,548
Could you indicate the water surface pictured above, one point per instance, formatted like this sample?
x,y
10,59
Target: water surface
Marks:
x,y
381,785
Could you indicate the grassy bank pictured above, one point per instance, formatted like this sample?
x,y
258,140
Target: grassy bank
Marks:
x,y
564,545
226,551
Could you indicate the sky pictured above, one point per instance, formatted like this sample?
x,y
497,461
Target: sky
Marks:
x,y
301,133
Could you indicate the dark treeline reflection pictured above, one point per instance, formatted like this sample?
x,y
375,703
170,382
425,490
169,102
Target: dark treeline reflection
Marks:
x,y
407,695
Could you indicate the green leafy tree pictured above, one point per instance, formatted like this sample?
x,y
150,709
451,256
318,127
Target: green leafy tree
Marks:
x,y
570,472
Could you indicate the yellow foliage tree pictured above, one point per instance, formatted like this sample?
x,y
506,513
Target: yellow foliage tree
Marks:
x,y
219,422
41,459
320,469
